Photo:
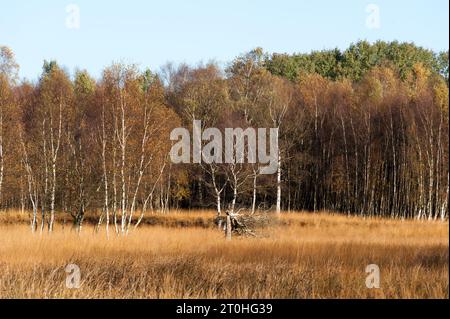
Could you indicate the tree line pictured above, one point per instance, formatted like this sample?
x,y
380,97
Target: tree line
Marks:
x,y
364,132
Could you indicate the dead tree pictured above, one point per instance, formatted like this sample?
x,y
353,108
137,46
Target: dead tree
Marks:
x,y
239,224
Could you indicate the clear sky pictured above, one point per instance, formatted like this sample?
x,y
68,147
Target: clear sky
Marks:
x,y
151,33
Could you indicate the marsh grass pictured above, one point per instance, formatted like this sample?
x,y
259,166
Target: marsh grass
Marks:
x,y
300,256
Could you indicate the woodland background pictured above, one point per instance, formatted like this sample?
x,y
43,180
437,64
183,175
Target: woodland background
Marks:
x,y
364,131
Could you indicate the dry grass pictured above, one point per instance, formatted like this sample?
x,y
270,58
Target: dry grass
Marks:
x,y
303,256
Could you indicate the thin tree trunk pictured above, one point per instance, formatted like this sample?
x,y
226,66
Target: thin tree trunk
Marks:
x,y
228,227
255,176
278,207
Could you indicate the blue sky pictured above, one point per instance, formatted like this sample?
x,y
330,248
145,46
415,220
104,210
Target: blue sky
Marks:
x,y
151,33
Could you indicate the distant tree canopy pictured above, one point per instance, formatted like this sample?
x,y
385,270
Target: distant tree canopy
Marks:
x,y
364,131
357,60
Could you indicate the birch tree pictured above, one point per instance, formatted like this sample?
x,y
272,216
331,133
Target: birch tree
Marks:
x,y
55,96
8,75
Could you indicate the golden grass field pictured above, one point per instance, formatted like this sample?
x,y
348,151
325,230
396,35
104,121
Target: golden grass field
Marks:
x,y
303,255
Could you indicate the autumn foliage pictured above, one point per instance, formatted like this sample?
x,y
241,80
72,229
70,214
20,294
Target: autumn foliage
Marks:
x,y
362,132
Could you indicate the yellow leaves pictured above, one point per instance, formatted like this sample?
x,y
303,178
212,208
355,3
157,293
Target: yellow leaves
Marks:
x,y
382,83
373,90
420,73
5,90
440,91
311,86
385,80
424,85
418,80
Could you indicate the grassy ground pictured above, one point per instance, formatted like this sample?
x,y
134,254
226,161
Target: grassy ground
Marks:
x,y
182,255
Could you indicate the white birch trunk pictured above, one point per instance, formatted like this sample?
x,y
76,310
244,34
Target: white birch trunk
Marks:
x,y
278,207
